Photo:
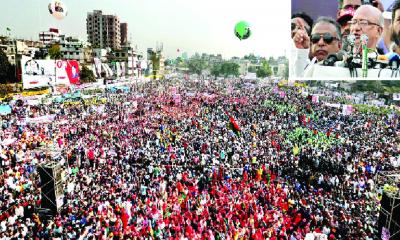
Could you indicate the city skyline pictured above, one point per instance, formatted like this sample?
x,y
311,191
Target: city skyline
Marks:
x,y
202,27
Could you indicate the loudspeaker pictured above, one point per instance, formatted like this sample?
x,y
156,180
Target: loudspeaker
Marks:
x,y
389,216
52,187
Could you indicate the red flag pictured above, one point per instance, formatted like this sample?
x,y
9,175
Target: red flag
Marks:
x,y
234,124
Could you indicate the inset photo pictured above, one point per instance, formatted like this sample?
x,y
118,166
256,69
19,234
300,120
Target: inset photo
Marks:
x,y
345,39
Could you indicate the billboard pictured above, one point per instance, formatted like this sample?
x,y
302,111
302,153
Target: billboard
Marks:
x,y
67,72
37,73
44,73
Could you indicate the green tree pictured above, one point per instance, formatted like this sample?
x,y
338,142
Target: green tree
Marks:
x,y
196,65
5,67
155,62
371,86
286,74
86,75
216,70
264,71
229,68
54,52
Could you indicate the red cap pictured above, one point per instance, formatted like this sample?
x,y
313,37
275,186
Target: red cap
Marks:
x,y
345,16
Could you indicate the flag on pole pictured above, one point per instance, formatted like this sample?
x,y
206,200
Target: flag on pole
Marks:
x,y
233,125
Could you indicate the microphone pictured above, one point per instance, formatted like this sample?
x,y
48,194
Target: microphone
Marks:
x,y
381,61
336,59
331,59
342,55
351,40
394,61
364,64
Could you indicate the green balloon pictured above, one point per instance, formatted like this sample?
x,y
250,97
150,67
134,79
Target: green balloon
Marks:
x,y
242,30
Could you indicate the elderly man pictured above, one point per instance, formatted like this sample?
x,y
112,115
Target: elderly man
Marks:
x,y
367,20
325,39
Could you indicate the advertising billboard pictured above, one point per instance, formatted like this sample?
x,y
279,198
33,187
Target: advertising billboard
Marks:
x,y
44,73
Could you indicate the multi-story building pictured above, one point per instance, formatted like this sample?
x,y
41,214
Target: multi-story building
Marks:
x,y
100,53
23,47
72,48
124,33
9,49
103,30
49,37
212,58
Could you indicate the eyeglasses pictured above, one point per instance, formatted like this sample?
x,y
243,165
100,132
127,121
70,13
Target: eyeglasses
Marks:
x,y
349,6
362,22
327,37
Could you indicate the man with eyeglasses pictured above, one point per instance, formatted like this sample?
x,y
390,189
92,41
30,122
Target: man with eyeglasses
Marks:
x,y
367,20
325,39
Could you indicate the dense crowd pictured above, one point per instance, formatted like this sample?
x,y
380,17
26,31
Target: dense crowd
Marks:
x,y
147,166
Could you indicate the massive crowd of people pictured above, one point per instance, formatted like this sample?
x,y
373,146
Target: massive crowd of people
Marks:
x,y
146,165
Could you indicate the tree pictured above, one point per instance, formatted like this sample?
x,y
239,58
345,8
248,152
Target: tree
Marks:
x,y
216,70
155,61
5,67
86,75
54,52
196,65
363,85
286,74
264,70
229,68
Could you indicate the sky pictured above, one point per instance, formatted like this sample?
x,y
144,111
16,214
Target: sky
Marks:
x,y
202,26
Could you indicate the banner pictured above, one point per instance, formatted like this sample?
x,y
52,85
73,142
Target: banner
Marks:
x,y
172,90
67,72
44,73
37,73
123,71
229,90
118,69
33,102
347,109
335,105
42,119
97,64
177,98
396,96
33,93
